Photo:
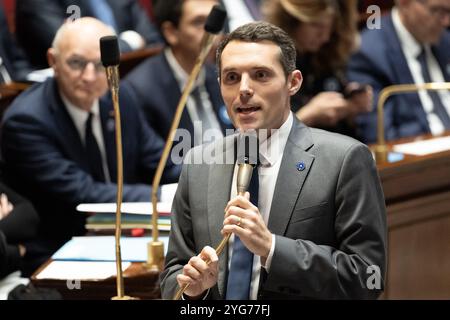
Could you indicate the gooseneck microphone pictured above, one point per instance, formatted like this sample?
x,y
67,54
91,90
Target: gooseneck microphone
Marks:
x,y
110,56
247,148
214,24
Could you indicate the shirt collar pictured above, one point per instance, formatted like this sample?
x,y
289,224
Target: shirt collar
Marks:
x,y
180,75
411,47
78,115
272,148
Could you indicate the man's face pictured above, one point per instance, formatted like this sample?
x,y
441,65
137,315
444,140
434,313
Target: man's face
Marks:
x,y
311,36
78,70
191,26
254,85
427,19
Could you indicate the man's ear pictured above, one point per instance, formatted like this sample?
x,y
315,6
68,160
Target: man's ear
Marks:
x,y
51,57
295,82
170,33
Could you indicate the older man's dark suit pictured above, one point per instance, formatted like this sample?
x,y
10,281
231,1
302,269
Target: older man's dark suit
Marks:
x,y
38,20
158,94
380,62
329,219
46,161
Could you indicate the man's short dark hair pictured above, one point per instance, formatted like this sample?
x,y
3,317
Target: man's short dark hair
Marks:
x,y
167,10
260,31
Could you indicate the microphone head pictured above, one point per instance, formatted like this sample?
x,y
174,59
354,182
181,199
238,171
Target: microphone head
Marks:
x,y
109,50
216,19
248,149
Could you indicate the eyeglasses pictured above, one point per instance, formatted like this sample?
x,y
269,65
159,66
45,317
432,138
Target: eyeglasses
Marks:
x,y
79,64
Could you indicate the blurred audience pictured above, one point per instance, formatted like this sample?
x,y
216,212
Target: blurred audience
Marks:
x,y
18,224
325,34
240,12
38,20
412,46
13,63
159,81
58,140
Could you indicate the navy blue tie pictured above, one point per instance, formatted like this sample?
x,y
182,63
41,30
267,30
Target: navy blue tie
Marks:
x,y
240,273
438,106
93,153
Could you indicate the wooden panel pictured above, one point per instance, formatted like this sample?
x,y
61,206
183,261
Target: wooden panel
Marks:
x,y
417,193
419,249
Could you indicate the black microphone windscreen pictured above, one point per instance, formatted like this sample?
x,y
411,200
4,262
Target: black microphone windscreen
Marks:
x,y
109,50
247,149
216,19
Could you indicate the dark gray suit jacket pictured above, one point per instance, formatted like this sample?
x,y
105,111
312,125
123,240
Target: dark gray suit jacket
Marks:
x,y
329,219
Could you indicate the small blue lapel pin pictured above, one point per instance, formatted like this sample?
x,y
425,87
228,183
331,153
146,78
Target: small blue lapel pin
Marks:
x,y
301,166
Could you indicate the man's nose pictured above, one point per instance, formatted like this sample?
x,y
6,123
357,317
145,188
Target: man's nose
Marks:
x,y
89,72
245,89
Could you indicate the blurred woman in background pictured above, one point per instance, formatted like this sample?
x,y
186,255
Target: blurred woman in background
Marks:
x,y
325,33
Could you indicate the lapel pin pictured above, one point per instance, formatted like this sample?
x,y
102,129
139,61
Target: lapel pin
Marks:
x,y
110,125
301,166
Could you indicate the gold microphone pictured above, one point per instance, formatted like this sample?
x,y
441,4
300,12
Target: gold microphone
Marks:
x,y
247,159
214,24
110,56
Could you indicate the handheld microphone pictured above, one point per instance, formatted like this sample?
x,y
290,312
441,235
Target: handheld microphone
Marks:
x,y
247,159
214,23
110,56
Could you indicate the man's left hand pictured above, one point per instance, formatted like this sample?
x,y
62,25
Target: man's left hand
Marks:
x,y
244,220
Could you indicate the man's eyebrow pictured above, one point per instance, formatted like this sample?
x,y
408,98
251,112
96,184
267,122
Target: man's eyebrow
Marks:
x,y
257,67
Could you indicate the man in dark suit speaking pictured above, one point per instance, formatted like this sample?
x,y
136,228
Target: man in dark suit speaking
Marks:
x,y
58,139
317,228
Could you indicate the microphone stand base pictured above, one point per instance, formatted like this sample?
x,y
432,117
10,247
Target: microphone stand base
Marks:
x,y
155,256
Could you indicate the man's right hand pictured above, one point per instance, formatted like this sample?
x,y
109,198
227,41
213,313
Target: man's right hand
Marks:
x,y
199,274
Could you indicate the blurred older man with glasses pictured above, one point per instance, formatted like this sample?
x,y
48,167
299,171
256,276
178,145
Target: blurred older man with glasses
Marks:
x,y
412,46
58,140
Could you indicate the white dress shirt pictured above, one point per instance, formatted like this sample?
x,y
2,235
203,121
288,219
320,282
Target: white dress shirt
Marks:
x,y
182,77
79,118
271,152
411,49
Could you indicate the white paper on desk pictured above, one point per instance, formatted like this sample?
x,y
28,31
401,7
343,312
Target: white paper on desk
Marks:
x,y
424,147
80,270
127,207
102,248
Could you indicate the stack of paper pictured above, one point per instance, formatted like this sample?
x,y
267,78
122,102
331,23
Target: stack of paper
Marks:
x,y
134,215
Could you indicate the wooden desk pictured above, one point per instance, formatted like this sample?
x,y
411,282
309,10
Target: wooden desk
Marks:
x,y
138,282
417,193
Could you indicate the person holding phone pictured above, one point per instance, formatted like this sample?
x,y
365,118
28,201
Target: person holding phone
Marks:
x,y
325,35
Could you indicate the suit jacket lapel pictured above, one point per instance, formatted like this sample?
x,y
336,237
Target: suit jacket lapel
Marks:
x,y
171,84
218,197
68,133
290,180
401,69
109,136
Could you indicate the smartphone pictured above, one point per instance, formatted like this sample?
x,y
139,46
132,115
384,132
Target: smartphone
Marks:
x,y
350,93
